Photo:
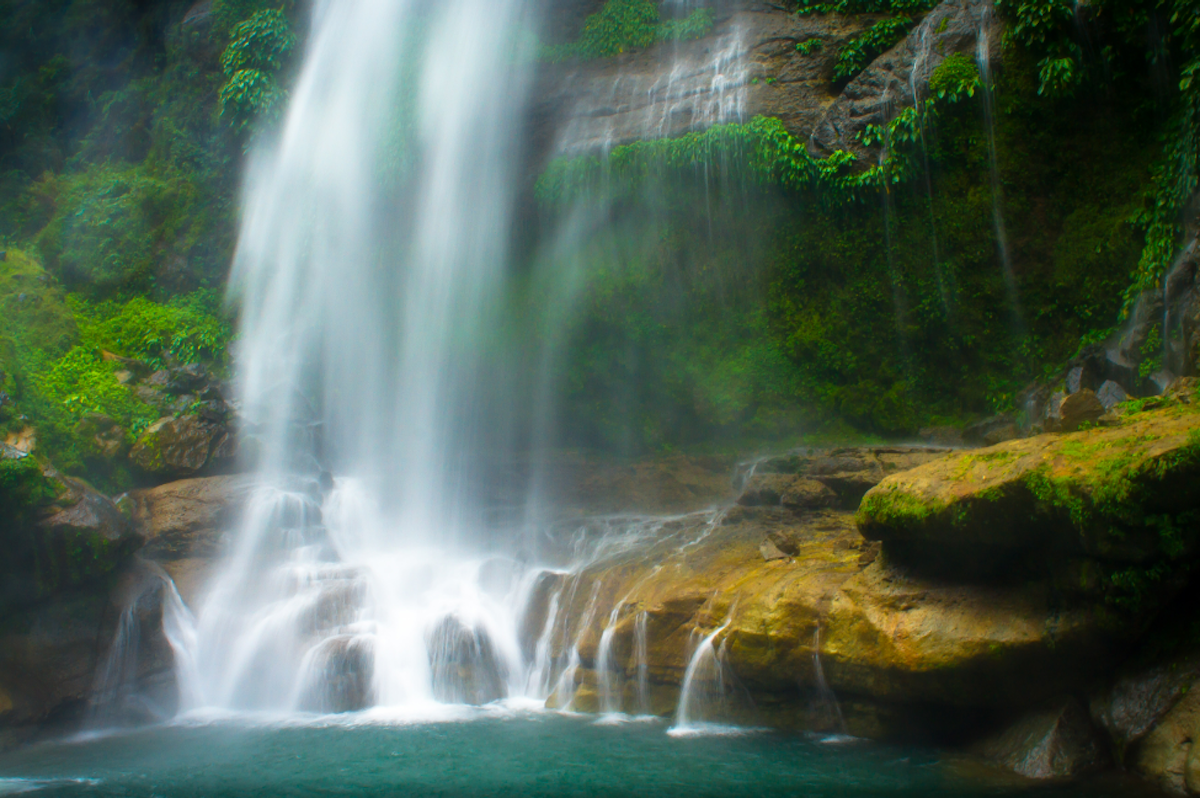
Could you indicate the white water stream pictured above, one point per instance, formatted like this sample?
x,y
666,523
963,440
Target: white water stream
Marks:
x,y
371,272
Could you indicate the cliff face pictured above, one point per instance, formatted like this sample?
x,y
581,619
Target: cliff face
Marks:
x,y
909,247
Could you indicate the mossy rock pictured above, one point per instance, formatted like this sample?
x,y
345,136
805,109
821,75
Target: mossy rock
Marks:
x,y
1123,493
56,533
175,446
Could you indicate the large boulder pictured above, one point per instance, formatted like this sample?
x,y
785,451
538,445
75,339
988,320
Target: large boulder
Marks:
x,y
179,446
848,472
184,524
1117,493
1129,708
1055,743
1167,754
58,533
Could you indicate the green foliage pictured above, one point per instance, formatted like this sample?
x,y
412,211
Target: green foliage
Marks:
x,y
110,227
23,491
809,46
1077,44
864,6
249,96
186,330
256,51
884,295
623,25
955,76
260,42
227,14
855,54
82,382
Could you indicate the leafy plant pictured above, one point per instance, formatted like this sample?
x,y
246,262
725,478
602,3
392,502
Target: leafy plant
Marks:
x,y
623,25
809,46
955,76
855,54
256,51
260,42
865,6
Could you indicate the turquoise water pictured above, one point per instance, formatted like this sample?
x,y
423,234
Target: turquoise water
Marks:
x,y
535,754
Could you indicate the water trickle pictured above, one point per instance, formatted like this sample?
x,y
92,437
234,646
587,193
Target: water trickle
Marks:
x,y
983,56
705,698
642,662
828,714
606,666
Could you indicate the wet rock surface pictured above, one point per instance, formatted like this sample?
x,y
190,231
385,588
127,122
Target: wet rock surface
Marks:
x,y
1094,493
1056,743
184,524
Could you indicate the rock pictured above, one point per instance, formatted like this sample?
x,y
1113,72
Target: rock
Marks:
x,y
1001,434
1167,755
896,637
1075,379
887,85
190,379
179,446
1111,394
807,494
849,472
770,551
979,433
108,439
1052,419
58,533
184,524
464,665
1135,703
764,490
946,437
1162,380
1101,492
1079,408
1053,744
345,669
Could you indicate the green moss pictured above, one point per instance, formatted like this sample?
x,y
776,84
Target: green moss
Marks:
x,y
623,25
861,50
863,6
111,227
891,507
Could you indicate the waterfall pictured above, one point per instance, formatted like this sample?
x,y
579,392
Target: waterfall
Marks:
x,y
387,559
703,691
370,271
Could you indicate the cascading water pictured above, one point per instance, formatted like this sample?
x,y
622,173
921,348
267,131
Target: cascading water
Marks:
x,y
372,276
369,270
983,55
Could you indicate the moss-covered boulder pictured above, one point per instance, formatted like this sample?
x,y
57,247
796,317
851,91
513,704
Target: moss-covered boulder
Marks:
x,y
181,446
57,533
1122,493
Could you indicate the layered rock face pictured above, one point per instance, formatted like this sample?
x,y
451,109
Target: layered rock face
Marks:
x,y
749,65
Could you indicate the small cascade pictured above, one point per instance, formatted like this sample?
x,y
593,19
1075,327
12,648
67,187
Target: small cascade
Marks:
x,y
983,56
698,87
124,690
540,679
924,48
642,662
565,686
606,666
827,712
705,697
